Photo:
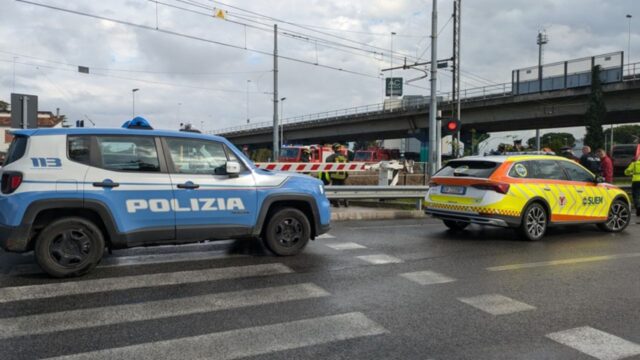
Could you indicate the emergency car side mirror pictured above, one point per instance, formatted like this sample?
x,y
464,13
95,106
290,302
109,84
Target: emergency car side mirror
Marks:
x,y
233,168
600,180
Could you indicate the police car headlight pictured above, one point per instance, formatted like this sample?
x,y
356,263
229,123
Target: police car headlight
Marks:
x,y
321,188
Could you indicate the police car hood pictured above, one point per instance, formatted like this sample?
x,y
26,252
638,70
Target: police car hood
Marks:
x,y
265,177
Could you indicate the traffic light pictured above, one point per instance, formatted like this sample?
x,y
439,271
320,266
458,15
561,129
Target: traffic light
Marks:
x,y
450,127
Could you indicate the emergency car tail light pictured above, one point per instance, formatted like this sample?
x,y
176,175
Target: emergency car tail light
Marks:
x,y
501,188
10,182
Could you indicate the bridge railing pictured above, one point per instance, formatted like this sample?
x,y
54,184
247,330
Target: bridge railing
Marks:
x,y
630,72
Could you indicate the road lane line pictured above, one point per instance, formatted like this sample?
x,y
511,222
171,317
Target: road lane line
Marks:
x,y
393,226
596,343
118,314
345,246
380,259
133,260
326,236
562,262
50,290
247,342
496,304
427,277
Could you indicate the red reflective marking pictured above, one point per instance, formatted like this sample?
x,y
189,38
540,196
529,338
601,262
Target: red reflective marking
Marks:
x,y
315,167
328,167
301,167
286,167
271,166
341,167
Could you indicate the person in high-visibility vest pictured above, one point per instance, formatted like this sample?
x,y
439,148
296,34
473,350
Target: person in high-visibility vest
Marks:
x,y
633,170
337,177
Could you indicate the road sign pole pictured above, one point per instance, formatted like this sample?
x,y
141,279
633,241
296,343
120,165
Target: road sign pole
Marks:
x,y
433,138
25,107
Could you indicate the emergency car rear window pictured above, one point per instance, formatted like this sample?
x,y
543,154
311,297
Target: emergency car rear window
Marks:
x,y
128,153
477,169
17,149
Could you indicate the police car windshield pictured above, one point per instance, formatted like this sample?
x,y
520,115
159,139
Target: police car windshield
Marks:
x,y
478,169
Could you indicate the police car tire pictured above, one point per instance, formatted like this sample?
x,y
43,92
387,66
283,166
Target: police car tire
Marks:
x,y
51,232
455,225
622,206
287,216
539,213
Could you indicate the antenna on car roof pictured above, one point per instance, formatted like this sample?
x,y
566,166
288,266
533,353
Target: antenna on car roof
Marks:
x,y
137,122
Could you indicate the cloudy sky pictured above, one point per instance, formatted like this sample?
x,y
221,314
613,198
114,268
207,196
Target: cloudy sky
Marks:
x,y
185,74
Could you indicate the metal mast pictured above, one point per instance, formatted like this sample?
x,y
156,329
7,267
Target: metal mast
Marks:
x,y
541,40
433,109
276,141
455,83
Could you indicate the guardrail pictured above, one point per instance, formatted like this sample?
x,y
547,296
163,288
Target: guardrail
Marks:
x,y
378,192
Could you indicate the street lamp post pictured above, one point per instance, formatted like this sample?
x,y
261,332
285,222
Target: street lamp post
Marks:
x,y
248,119
282,118
629,41
133,102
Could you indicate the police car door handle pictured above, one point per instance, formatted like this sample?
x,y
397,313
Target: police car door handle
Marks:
x,y
106,184
188,185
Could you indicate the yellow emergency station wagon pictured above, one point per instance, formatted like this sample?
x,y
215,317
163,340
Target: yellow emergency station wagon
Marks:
x,y
526,192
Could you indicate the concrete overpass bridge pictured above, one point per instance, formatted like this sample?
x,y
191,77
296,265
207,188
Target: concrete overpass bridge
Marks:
x,y
486,109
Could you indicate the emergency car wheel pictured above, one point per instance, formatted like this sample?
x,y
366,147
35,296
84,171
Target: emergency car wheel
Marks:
x,y
534,222
70,246
618,218
455,225
287,232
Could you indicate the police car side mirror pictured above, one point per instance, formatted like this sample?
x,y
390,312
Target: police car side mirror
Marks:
x,y
233,168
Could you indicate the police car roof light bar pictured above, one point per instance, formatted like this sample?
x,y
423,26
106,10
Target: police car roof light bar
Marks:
x,y
137,123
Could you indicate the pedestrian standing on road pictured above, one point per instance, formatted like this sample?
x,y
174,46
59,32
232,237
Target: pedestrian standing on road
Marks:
x,y
633,170
338,177
590,160
606,166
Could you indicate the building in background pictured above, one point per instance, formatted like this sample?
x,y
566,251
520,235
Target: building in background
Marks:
x,y
46,119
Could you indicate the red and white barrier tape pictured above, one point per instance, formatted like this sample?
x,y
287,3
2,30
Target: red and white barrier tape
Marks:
x,y
314,167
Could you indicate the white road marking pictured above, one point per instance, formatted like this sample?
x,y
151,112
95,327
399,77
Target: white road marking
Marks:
x,y
133,260
393,226
496,304
326,236
345,246
596,343
379,259
50,290
109,315
247,342
427,277
563,262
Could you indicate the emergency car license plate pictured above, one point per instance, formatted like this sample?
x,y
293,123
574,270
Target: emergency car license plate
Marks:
x,y
455,190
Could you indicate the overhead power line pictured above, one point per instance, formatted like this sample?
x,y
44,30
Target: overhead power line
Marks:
x,y
193,37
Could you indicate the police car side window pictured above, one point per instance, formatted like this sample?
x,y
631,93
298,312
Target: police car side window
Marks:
x,y
549,169
79,149
192,156
128,153
575,172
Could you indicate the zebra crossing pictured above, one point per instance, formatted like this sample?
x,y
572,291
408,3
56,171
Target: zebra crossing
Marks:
x,y
260,287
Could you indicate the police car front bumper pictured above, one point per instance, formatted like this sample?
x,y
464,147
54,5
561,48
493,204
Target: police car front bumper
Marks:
x,y
14,239
480,219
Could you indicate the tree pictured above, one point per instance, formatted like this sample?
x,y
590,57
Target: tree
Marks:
x,y
625,134
4,105
596,112
553,141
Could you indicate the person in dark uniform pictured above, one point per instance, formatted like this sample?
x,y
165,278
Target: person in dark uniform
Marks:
x,y
590,160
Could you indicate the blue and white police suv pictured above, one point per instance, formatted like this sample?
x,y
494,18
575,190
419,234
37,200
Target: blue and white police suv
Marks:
x,y
68,194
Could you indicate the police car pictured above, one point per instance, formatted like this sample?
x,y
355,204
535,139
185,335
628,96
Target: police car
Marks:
x,y
68,194
527,192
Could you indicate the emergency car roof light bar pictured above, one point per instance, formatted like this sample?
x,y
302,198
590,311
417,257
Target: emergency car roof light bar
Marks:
x,y
137,122
530,153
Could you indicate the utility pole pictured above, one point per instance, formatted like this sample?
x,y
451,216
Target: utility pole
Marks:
x,y
455,83
433,109
541,40
133,102
276,141
248,118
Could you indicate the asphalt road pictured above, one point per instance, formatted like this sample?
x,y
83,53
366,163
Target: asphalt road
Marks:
x,y
403,289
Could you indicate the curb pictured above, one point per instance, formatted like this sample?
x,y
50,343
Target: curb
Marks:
x,y
377,215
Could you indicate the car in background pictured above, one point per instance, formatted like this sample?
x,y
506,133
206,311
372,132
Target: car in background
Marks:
x,y
524,192
623,155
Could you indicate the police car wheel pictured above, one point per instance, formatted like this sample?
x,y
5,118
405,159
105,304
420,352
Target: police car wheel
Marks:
x,y
534,222
618,218
455,225
69,246
287,232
